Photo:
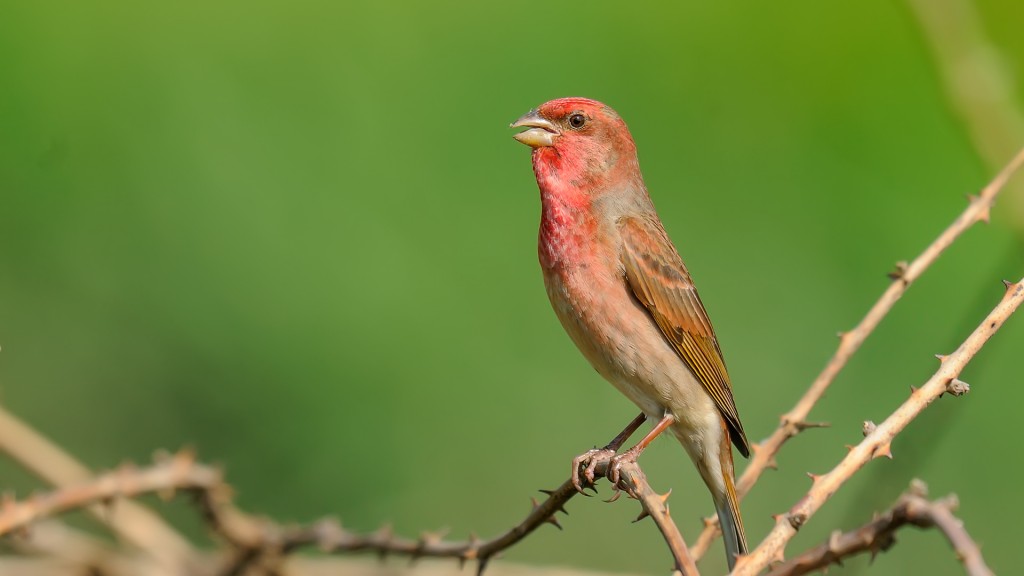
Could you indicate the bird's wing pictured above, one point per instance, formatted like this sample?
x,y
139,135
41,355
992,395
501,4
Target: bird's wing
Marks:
x,y
659,279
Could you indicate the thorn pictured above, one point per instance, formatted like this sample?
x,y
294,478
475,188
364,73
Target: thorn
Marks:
x,y
550,494
833,541
918,488
868,427
185,456
480,567
470,553
900,272
814,477
710,521
942,357
381,538
883,450
985,214
433,538
664,497
771,463
328,533
877,548
849,447
161,456
553,521
841,334
913,389
1009,285
643,514
958,387
534,504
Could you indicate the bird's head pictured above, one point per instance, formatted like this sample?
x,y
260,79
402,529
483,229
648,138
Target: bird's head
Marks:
x,y
578,141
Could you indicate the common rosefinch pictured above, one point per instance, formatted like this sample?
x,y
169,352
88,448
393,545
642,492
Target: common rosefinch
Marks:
x,y
624,295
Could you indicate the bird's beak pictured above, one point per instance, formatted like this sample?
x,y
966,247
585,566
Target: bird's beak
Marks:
x,y
541,133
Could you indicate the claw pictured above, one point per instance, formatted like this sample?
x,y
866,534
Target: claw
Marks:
x,y
585,465
614,473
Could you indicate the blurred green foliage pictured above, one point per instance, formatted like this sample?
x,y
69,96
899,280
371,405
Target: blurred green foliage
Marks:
x,y
299,237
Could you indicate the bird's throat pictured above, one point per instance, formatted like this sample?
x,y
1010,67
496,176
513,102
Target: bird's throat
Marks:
x,y
566,226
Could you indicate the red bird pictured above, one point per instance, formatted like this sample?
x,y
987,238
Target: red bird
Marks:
x,y
624,295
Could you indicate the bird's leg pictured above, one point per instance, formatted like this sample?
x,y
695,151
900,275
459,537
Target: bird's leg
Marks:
x,y
588,460
633,453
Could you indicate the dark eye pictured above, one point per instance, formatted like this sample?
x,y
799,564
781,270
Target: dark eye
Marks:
x,y
577,120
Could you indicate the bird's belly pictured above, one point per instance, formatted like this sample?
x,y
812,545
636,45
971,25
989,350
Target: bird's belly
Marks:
x,y
625,346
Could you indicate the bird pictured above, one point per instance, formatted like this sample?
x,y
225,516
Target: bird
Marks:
x,y
624,296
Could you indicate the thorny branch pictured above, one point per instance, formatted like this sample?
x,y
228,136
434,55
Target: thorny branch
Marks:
x,y
912,508
265,543
633,481
795,421
134,523
167,476
878,442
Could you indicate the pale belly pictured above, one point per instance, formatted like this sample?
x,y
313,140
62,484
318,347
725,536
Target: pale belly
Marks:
x,y
625,346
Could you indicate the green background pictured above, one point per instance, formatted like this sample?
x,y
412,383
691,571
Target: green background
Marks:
x,y
300,238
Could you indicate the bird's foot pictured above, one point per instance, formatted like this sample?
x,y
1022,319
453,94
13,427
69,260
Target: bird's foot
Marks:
x,y
585,465
615,464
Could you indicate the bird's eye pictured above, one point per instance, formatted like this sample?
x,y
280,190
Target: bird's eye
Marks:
x,y
577,120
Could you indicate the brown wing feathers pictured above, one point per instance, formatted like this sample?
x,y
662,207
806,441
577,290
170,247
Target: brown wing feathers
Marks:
x,y
660,281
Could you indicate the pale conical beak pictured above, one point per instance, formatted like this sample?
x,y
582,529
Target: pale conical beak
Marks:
x,y
541,131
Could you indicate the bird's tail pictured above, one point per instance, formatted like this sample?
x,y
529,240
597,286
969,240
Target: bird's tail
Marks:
x,y
728,508
727,503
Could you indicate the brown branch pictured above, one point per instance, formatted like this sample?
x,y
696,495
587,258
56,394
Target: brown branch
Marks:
x,y
328,535
178,473
878,442
134,523
633,481
263,542
912,508
128,564
57,540
795,421
655,505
